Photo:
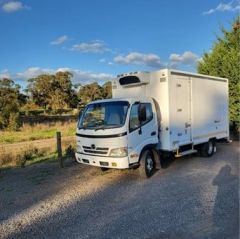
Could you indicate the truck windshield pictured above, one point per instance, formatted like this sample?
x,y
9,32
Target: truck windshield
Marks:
x,y
104,115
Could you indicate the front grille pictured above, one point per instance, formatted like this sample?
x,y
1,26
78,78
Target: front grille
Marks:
x,y
104,163
95,151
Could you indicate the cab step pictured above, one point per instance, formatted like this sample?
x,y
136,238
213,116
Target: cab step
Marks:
x,y
187,152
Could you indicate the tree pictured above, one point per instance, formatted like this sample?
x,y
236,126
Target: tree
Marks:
x,y
10,101
107,90
53,91
94,91
224,61
90,92
39,89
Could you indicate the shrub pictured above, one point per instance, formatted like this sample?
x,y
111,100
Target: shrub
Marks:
x,y
6,159
69,151
14,122
25,156
20,161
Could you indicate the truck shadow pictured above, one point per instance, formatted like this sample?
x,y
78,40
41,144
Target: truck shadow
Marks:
x,y
166,161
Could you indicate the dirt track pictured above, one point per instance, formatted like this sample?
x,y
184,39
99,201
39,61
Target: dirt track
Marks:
x,y
191,197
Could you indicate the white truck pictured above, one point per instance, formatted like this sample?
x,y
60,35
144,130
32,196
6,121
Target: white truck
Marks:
x,y
151,114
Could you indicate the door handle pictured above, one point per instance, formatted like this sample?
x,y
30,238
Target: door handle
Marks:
x,y
153,133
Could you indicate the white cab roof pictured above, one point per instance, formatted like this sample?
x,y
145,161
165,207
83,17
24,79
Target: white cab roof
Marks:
x,y
130,100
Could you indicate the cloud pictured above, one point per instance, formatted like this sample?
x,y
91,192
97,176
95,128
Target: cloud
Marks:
x,y
59,40
13,6
137,58
153,60
79,76
5,74
103,60
32,72
86,77
187,58
224,7
90,47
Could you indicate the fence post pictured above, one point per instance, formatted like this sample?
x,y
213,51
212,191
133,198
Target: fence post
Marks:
x,y
59,149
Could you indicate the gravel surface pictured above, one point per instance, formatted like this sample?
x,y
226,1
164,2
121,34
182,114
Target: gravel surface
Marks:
x,y
191,197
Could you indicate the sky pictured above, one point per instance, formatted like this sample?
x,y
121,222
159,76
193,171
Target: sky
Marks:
x,y
99,39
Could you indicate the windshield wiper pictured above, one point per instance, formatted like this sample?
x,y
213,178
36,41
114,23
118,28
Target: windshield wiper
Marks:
x,y
83,127
106,127
100,127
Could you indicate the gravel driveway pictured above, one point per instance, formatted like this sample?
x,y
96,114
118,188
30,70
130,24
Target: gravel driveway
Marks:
x,y
191,197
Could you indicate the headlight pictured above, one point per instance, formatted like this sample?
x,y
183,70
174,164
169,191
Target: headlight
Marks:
x,y
119,152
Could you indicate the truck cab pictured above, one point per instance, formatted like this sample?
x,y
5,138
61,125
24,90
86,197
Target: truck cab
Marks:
x,y
113,133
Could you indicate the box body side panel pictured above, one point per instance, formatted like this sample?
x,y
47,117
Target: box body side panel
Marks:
x,y
209,109
198,109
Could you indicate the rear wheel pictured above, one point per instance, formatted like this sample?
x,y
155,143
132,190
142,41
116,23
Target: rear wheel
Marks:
x,y
208,149
147,164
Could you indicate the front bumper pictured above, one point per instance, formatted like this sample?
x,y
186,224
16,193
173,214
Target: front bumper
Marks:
x,y
106,162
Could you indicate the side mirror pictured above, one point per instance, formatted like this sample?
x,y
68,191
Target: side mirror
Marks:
x,y
142,114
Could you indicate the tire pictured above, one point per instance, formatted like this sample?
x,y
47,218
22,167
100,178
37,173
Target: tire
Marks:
x,y
208,149
147,164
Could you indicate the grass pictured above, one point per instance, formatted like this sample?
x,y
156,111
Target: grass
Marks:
x,y
38,131
29,155
32,152
50,158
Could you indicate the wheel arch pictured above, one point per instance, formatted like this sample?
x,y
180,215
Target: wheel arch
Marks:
x,y
155,152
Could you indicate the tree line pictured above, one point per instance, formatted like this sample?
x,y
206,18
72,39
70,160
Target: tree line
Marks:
x,y
51,93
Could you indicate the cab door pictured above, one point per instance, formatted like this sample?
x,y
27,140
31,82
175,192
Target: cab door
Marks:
x,y
143,133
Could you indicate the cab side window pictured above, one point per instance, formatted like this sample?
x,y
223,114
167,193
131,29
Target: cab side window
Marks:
x,y
149,112
134,122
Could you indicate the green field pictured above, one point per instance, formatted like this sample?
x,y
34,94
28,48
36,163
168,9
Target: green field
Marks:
x,y
38,131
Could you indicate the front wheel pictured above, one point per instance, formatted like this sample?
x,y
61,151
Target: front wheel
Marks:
x,y
208,149
147,164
